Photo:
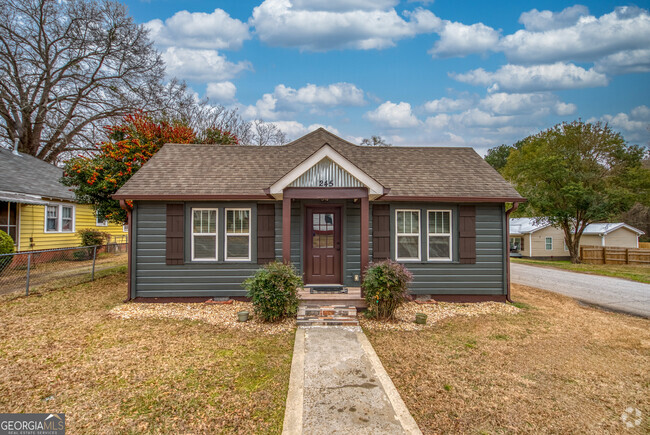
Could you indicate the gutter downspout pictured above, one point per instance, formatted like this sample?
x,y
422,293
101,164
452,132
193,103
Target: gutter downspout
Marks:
x,y
515,206
128,209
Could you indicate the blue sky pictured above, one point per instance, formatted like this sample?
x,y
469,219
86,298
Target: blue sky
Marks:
x,y
417,73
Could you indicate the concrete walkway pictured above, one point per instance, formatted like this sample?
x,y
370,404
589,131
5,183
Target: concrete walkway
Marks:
x,y
338,386
611,293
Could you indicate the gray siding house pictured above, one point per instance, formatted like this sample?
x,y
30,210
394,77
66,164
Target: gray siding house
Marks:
x,y
205,217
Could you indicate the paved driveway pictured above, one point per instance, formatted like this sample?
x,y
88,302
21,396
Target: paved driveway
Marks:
x,y
613,293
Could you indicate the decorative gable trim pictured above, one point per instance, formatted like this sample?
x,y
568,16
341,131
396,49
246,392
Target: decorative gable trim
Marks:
x,y
374,188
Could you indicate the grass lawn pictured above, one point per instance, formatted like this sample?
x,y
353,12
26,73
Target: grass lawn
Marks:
x,y
634,272
557,367
60,351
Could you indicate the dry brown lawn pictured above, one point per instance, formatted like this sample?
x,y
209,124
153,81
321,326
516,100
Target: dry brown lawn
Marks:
x,y
556,367
61,351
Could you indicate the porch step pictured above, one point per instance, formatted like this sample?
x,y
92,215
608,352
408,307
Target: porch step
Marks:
x,y
327,315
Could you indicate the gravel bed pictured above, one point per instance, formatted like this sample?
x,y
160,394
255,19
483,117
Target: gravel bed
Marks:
x,y
405,315
222,315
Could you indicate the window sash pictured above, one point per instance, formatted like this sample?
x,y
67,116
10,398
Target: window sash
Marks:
x,y
67,219
206,229
407,223
238,226
440,228
52,218
549,243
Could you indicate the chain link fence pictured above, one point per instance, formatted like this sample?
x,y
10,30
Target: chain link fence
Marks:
x,y
28,270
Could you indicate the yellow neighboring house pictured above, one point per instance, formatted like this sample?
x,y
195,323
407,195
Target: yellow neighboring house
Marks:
x,y
39,212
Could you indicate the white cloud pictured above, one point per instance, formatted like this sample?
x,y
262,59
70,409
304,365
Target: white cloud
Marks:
x,y
295,129
480,118
589,39
394,115
201,65
278,23
564,109
458,39
342,5
502,103
336,94
446,104
285,100
539,21
221,91
518,78
625,62
634,126
217,30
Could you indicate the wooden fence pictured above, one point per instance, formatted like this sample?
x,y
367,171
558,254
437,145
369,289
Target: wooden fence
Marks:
x,y
644,245
612,255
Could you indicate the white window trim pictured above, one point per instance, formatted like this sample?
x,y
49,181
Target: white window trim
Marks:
x,y
419,234
59,218
225,232
98,223
546,243
215,234
125,228
451,239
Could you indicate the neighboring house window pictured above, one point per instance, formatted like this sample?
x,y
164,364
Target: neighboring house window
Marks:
x,y
549,243
204,234
125,228
439,233
516,244
238,236
9,219
52,218
101,222
408,235
59,219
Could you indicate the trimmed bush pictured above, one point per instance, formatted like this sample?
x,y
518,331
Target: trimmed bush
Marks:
x,y
91,237
385,285
274,291
6,247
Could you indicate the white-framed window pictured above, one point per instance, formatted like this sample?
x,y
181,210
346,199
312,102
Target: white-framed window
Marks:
x,y
204,234
9,219
439,235
100,222
238,234
407,236
125,228
549,243
59,218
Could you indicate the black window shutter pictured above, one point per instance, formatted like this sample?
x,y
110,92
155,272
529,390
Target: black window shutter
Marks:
x,y
380,232
175,233
467,230
265,233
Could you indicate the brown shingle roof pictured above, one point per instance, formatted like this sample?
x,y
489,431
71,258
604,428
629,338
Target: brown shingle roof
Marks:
x,y
223,170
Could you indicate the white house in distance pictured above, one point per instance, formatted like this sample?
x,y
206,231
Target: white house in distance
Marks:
x,y
537,240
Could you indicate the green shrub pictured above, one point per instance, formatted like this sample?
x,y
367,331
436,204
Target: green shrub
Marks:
x,y
6,247
385,285
91,237
274,291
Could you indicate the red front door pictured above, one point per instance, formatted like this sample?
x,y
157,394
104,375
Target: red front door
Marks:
x,y
323,246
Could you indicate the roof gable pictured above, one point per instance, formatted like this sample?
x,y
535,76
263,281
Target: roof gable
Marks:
x,y
323,162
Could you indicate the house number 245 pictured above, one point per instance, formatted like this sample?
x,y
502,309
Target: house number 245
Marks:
x,y
325,183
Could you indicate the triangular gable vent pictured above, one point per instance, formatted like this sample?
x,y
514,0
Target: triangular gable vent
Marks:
x,y
326,173
327,168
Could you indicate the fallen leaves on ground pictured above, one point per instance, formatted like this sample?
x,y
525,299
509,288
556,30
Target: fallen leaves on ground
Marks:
x,y
405,315
223,315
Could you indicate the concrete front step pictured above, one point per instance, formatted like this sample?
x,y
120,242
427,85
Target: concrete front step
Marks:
x,y
324,315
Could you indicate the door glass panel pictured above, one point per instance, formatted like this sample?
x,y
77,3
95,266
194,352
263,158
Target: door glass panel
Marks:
x,y
323,230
